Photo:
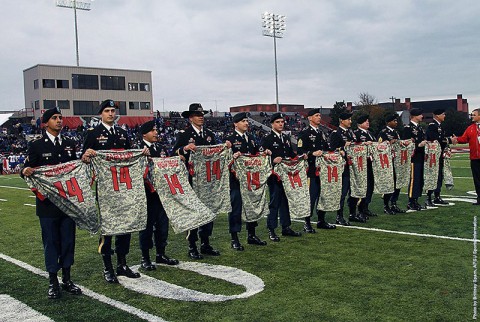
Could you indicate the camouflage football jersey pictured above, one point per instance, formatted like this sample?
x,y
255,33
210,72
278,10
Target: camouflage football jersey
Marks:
x,y
431,166
183,208
402,155
357,156
67,186
331,167
120,190
210,176
382,166
447,168
252,172
293,175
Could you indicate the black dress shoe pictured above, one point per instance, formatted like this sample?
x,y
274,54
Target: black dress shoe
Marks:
x,y
254,240
147,265
53,291
164,259
237,246
357,218
429,203
124,270
194,254
109,276
341,221
289,232
420,207
272,236
208,250
71,288
412,206
325,225
476,203
440,201
307,227
397,210
387,210
367,213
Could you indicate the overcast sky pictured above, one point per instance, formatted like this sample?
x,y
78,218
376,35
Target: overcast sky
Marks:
x,y
213,51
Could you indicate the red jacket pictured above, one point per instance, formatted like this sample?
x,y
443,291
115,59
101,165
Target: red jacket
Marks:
x,y
472,136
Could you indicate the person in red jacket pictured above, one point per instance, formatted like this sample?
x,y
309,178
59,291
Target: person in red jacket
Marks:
x,y
472,137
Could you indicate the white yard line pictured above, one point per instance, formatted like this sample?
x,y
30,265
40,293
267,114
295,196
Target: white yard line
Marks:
x,y
18,188
99,297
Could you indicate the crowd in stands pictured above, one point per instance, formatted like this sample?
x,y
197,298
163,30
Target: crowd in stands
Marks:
x,y
14,140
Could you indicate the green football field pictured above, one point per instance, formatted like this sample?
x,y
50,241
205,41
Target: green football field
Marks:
x,y
417,266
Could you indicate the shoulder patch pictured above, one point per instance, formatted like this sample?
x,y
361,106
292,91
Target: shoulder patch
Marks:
x,y
182,131
91,129
299,143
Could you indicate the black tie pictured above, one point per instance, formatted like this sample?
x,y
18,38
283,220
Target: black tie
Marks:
x,y
57,142
244,137
201,134
112,132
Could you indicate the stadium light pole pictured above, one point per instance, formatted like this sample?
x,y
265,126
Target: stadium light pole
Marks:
x,y
74,4
274,26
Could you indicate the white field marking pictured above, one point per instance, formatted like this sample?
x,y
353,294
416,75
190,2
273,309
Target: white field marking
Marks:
x,y
474,193
161,289
32,197
18,188
99,297
3,200
14,310
30,205
462,177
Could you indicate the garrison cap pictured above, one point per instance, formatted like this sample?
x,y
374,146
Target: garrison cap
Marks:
x,y
416,112
276,116
362,118
194,108
105,104
345,115
438,111
239,116
147,127
49,113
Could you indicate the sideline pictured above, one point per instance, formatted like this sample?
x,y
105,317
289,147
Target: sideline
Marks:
x,y
99,297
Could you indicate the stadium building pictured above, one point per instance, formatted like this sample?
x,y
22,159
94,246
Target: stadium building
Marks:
x,y
78,91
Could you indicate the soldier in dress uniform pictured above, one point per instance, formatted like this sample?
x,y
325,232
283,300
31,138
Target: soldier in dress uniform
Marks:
x,y
435,132
157,220
281,148
339,139
58,230
186,142
313,142
242,143
106,136
416,133
362,134
390,134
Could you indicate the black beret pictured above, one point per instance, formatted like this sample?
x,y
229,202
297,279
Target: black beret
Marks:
x,y
105,104
194,108
415,112
362,118
438,111
49,113
345,115
147,127
276,116
239,116
313,111
391,117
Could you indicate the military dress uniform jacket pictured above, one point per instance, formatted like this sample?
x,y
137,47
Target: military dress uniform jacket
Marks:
x,y
279,147
43,152
241,145
188,136
309,141
436,132
388,134
99,138
339,137
415,132
156,151
364,136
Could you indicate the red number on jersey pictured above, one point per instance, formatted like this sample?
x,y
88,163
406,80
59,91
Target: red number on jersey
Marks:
x,y
213,168
360,163
384,160
253,178
174,184
73,189
295,179
124,178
